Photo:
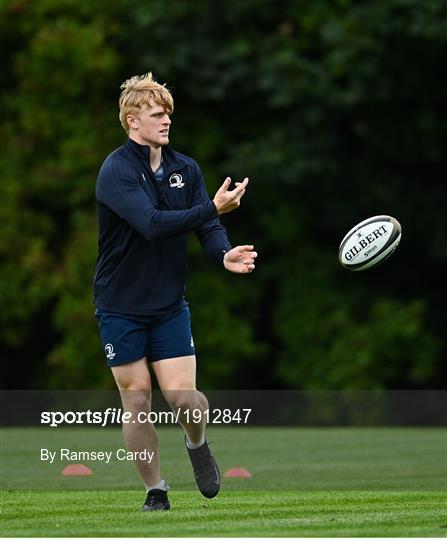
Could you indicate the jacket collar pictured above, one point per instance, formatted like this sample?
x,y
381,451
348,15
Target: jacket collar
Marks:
x,y
171,159
141,150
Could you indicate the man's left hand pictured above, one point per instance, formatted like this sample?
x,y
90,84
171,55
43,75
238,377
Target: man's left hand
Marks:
x,y
240,260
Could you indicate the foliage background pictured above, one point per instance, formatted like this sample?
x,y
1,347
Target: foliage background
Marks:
x,y
335,109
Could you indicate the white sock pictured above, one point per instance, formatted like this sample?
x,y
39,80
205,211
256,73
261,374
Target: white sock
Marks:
x,y
159,485
193,445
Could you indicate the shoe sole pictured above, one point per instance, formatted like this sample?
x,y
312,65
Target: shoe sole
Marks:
x,y
155,509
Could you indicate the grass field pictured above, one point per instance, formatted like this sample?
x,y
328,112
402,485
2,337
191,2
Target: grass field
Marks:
x,y
306,482
230,514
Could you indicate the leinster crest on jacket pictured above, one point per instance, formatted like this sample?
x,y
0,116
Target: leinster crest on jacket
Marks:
x,y
176,181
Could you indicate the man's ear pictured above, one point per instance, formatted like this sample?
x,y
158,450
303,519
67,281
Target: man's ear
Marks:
x,y
131,121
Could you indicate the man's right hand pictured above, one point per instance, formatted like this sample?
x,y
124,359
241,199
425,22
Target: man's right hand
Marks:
x,y
225,200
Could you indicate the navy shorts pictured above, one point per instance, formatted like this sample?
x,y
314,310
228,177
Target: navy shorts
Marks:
x,y
127,338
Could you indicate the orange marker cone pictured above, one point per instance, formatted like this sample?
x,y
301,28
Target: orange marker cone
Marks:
x,y
237,472
76,469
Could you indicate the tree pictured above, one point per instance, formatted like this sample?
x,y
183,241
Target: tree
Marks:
x,y
334,110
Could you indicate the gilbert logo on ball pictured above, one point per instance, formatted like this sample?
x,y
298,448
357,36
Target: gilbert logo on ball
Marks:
x,y
370,242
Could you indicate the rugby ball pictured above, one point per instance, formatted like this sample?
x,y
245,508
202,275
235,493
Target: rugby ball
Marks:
x,y
370,242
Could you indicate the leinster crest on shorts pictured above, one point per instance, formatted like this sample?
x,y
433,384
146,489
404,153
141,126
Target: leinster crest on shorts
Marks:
x,y
110,354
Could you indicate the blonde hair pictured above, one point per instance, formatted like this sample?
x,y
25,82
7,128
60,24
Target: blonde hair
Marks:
x,y
142,91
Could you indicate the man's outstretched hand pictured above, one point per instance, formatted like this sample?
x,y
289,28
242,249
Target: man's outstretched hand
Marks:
x,y
226,200
240,260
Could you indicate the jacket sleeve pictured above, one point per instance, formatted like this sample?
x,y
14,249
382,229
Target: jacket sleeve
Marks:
x,y
118,187
211,233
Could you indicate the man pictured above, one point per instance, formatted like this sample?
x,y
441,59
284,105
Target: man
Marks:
x,y
149,197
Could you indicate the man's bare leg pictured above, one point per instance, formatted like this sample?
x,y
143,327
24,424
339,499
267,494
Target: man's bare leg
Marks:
x,y
177,380
134,383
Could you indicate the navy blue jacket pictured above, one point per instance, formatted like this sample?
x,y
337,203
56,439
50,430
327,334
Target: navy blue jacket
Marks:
x,y
143,223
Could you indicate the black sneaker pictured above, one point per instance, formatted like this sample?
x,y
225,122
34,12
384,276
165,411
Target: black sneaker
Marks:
x,y
206,471
157,499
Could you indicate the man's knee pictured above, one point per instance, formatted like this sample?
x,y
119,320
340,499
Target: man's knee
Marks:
x,y
186,399
134,383
136,398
